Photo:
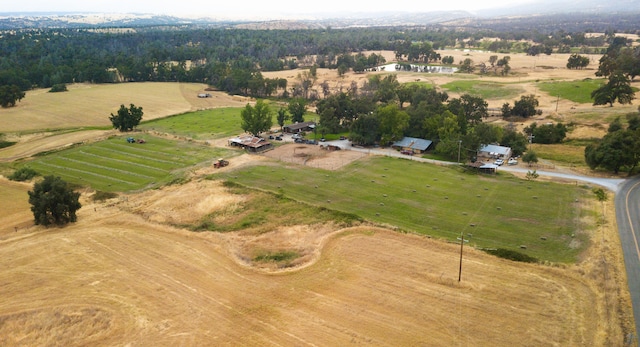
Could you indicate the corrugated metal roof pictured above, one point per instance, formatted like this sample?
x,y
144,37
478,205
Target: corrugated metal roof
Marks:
x,y
496,149
412,142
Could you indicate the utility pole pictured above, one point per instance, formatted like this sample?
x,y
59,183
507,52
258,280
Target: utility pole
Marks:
x,y
461,246
459,145
557,101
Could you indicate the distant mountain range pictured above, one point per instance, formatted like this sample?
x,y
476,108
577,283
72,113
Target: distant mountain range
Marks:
x,y
618,14
547,7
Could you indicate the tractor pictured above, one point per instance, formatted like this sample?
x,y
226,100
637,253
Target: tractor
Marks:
x,y
220,163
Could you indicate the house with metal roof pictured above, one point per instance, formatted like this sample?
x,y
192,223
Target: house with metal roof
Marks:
x,y
495,152
413,144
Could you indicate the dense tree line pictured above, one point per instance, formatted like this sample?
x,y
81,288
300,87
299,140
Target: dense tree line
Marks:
x,y
233,59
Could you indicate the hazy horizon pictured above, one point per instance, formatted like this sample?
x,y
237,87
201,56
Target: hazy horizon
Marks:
x,y
250,9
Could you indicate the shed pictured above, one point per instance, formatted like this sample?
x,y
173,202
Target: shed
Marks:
x,y
495,152
483,167
413,144
299,127
251,143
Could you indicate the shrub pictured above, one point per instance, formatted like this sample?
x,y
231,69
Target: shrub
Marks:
x,y
512,255
276,256
57,88
102,196
23,174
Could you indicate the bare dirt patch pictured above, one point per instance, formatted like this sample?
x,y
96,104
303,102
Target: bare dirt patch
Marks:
x,y
313,156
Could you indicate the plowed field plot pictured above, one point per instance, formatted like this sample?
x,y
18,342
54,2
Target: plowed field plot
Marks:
x,y
115,165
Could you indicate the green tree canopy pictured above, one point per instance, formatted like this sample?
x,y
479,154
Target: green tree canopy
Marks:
x,y
616,150
525,107
282,116
577,61
297,108
547,133
364,130
255,120
530,157
53,202
517,141
469,109
393,122
617,88
9,95
127,118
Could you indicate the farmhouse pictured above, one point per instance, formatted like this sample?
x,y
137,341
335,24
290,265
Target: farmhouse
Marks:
x,y
494,152
299,127
251,143
413,144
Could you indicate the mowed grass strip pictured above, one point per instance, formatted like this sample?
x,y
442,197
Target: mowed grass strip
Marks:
x,y
115,165
492,211
576,91
483,89
206,124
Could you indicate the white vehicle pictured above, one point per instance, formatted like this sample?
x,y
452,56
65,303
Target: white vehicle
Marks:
x,y
512,162
499,162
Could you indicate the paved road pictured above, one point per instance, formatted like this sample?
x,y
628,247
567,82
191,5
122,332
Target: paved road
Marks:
x,y
627,202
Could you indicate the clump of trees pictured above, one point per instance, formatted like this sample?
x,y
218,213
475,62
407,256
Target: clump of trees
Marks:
x,y
618,149
547,133
525,107
127,118
53,201
577,62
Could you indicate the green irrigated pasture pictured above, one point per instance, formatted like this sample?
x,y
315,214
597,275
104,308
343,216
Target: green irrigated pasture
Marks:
x,y
114,165
206,124
492,211
484,89
576,91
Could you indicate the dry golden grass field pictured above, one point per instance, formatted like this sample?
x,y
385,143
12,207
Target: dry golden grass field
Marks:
x,y
125,275
121,276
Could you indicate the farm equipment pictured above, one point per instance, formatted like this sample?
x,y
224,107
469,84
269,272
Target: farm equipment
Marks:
x,y
133,140
220,163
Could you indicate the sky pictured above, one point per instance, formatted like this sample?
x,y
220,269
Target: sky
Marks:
x,y
247,8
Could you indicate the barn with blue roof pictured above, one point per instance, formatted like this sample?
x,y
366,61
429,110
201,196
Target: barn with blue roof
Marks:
x,y
413,144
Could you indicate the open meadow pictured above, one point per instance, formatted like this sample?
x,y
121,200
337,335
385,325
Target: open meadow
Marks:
x,y
295,249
